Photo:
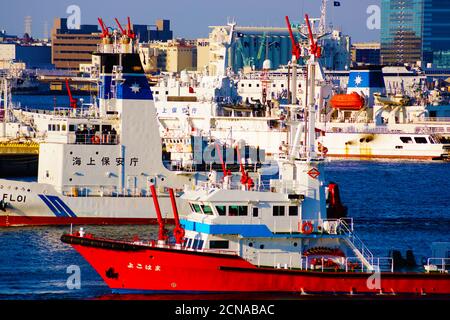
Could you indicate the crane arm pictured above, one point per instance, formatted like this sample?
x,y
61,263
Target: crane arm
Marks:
x,y
130,32
105,32
120,27
73,102
162,230
295,48
314,47
178,231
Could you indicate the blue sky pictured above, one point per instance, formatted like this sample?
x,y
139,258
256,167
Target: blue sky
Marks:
x,y
190,18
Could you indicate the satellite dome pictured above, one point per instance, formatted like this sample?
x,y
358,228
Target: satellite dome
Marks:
x,y
267,64
184,76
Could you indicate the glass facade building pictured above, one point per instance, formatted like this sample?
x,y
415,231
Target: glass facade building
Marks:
x,y
401,31
415,30
436,33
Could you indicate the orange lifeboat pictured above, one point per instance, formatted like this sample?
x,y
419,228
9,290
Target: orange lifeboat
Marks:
x,y
352,101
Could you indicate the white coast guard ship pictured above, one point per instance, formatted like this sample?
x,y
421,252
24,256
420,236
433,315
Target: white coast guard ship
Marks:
x,y
101,174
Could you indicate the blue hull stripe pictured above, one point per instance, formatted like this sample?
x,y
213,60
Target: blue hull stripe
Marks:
x,y
57,206
52,207
63,207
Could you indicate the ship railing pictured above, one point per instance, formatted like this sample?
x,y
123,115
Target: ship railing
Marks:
x,y
94,138
319,226
295,260
441,265
433,119
291,187
232,185
357,243
378,264
104,191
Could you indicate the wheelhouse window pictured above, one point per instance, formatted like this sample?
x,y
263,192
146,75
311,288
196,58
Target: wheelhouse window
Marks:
x,y
237,211
207,210
293,211
406,139
197,244
278,211
255,212
197,208
421,140
219,244
221,210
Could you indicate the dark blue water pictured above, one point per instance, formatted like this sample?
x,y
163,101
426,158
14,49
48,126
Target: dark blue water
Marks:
x,y
395,205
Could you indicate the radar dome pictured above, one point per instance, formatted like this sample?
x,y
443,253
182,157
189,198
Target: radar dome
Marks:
x,y
267,64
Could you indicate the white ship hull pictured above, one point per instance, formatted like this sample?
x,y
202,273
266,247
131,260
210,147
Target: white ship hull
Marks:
x,y
379,145
40,204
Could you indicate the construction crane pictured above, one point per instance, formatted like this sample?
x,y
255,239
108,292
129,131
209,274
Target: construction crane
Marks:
x,y
323,17
246,60
261,47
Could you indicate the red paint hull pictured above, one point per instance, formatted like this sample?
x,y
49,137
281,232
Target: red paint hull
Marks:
x,y
133,268
14,221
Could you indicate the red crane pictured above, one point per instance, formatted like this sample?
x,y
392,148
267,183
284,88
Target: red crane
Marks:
x,y
245,178
178,231
130,32
73,102
162,231
224,168
120,27
295,46
105,32
314,49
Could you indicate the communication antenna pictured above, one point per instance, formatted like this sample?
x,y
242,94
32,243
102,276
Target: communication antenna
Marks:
x,y
46,34
28,22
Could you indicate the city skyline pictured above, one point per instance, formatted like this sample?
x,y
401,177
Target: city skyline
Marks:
x,y
191,19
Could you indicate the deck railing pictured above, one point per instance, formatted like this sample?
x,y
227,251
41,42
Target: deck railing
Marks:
x,y
441,265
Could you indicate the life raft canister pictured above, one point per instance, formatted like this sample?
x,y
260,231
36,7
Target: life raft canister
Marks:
x,y
95,139
307,227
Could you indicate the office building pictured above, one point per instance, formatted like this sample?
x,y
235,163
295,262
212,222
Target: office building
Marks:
x,y
366,53
416,30
72,47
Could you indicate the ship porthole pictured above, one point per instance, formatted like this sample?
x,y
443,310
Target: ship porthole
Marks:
x,y
261,246
250,244
295,244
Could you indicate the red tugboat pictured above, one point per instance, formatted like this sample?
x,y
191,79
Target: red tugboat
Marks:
x,y
255,238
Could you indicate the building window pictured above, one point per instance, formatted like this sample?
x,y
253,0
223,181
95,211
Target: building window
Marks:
x,y
278,211
219,244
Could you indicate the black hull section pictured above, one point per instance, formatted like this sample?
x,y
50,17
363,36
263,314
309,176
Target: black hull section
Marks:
x,y
19,165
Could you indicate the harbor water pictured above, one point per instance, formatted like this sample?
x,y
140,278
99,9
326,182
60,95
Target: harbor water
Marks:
x,y
396,205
